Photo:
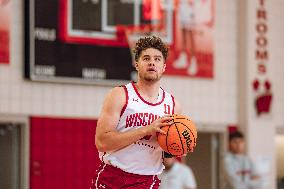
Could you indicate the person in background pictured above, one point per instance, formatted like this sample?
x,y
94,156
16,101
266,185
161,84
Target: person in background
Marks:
x,y
239,169
176,175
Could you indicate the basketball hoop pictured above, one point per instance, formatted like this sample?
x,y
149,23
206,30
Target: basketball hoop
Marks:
x,y
133,33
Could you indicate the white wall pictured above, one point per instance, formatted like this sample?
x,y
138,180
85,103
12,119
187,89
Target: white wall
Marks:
x,y
276,39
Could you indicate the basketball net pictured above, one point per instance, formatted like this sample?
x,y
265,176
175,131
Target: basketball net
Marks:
x,y
133,33
153,13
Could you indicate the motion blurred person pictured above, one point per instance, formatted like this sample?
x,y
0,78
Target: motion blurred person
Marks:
x,y
130,118
240,171
176,175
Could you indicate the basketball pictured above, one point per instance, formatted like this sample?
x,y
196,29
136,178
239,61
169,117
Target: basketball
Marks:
x,y
180,137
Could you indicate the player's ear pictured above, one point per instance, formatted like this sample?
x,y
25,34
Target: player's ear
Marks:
x,y
164,68
136,66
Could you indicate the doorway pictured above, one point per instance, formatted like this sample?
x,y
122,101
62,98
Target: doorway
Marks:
x,y
10,141
279,141
205,161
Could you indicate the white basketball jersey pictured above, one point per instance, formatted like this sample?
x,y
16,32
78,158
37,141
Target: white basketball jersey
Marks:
x,y
144,157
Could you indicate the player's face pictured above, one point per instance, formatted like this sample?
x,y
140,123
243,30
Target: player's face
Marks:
x,y
237,145
151,65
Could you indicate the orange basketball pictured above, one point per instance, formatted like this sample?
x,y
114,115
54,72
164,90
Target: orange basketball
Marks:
x,y
180,137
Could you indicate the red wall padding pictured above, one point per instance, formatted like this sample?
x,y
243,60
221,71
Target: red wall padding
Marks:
x,y
62,153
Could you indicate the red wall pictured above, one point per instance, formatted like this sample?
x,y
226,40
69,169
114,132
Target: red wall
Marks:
x,y
62,153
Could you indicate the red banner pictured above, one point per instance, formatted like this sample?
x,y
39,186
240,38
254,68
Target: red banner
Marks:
x,y
192,53
4,31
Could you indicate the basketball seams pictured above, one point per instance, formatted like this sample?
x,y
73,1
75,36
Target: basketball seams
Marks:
x,y
189,131
179,136
183,118
178,117
187,128
178,144
167,139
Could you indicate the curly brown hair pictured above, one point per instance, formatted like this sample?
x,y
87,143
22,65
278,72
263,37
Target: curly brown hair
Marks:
x,y
150,42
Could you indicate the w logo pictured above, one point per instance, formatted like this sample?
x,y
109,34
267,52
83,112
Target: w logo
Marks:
x,y
263,96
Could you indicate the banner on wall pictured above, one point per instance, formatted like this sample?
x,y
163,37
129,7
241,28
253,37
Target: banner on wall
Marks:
x,y
91,41
4,31
192,52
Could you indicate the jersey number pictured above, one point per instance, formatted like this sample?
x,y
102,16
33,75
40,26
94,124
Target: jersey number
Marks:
x,y
167,109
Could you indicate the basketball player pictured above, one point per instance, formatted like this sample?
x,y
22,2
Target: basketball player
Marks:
x,y
131,117
186,17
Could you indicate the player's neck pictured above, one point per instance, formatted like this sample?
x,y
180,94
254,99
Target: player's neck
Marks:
x,y
149,91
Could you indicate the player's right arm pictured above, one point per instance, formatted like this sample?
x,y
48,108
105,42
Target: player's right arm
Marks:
x,y
107,137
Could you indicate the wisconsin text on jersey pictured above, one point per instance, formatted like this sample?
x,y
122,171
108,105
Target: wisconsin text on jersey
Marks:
x,y
140,119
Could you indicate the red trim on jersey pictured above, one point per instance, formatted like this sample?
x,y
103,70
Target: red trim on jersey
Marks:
x,y
173,98
126,102
149,103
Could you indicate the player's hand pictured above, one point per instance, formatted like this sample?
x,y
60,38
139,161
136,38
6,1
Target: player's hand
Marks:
x,y
156,125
